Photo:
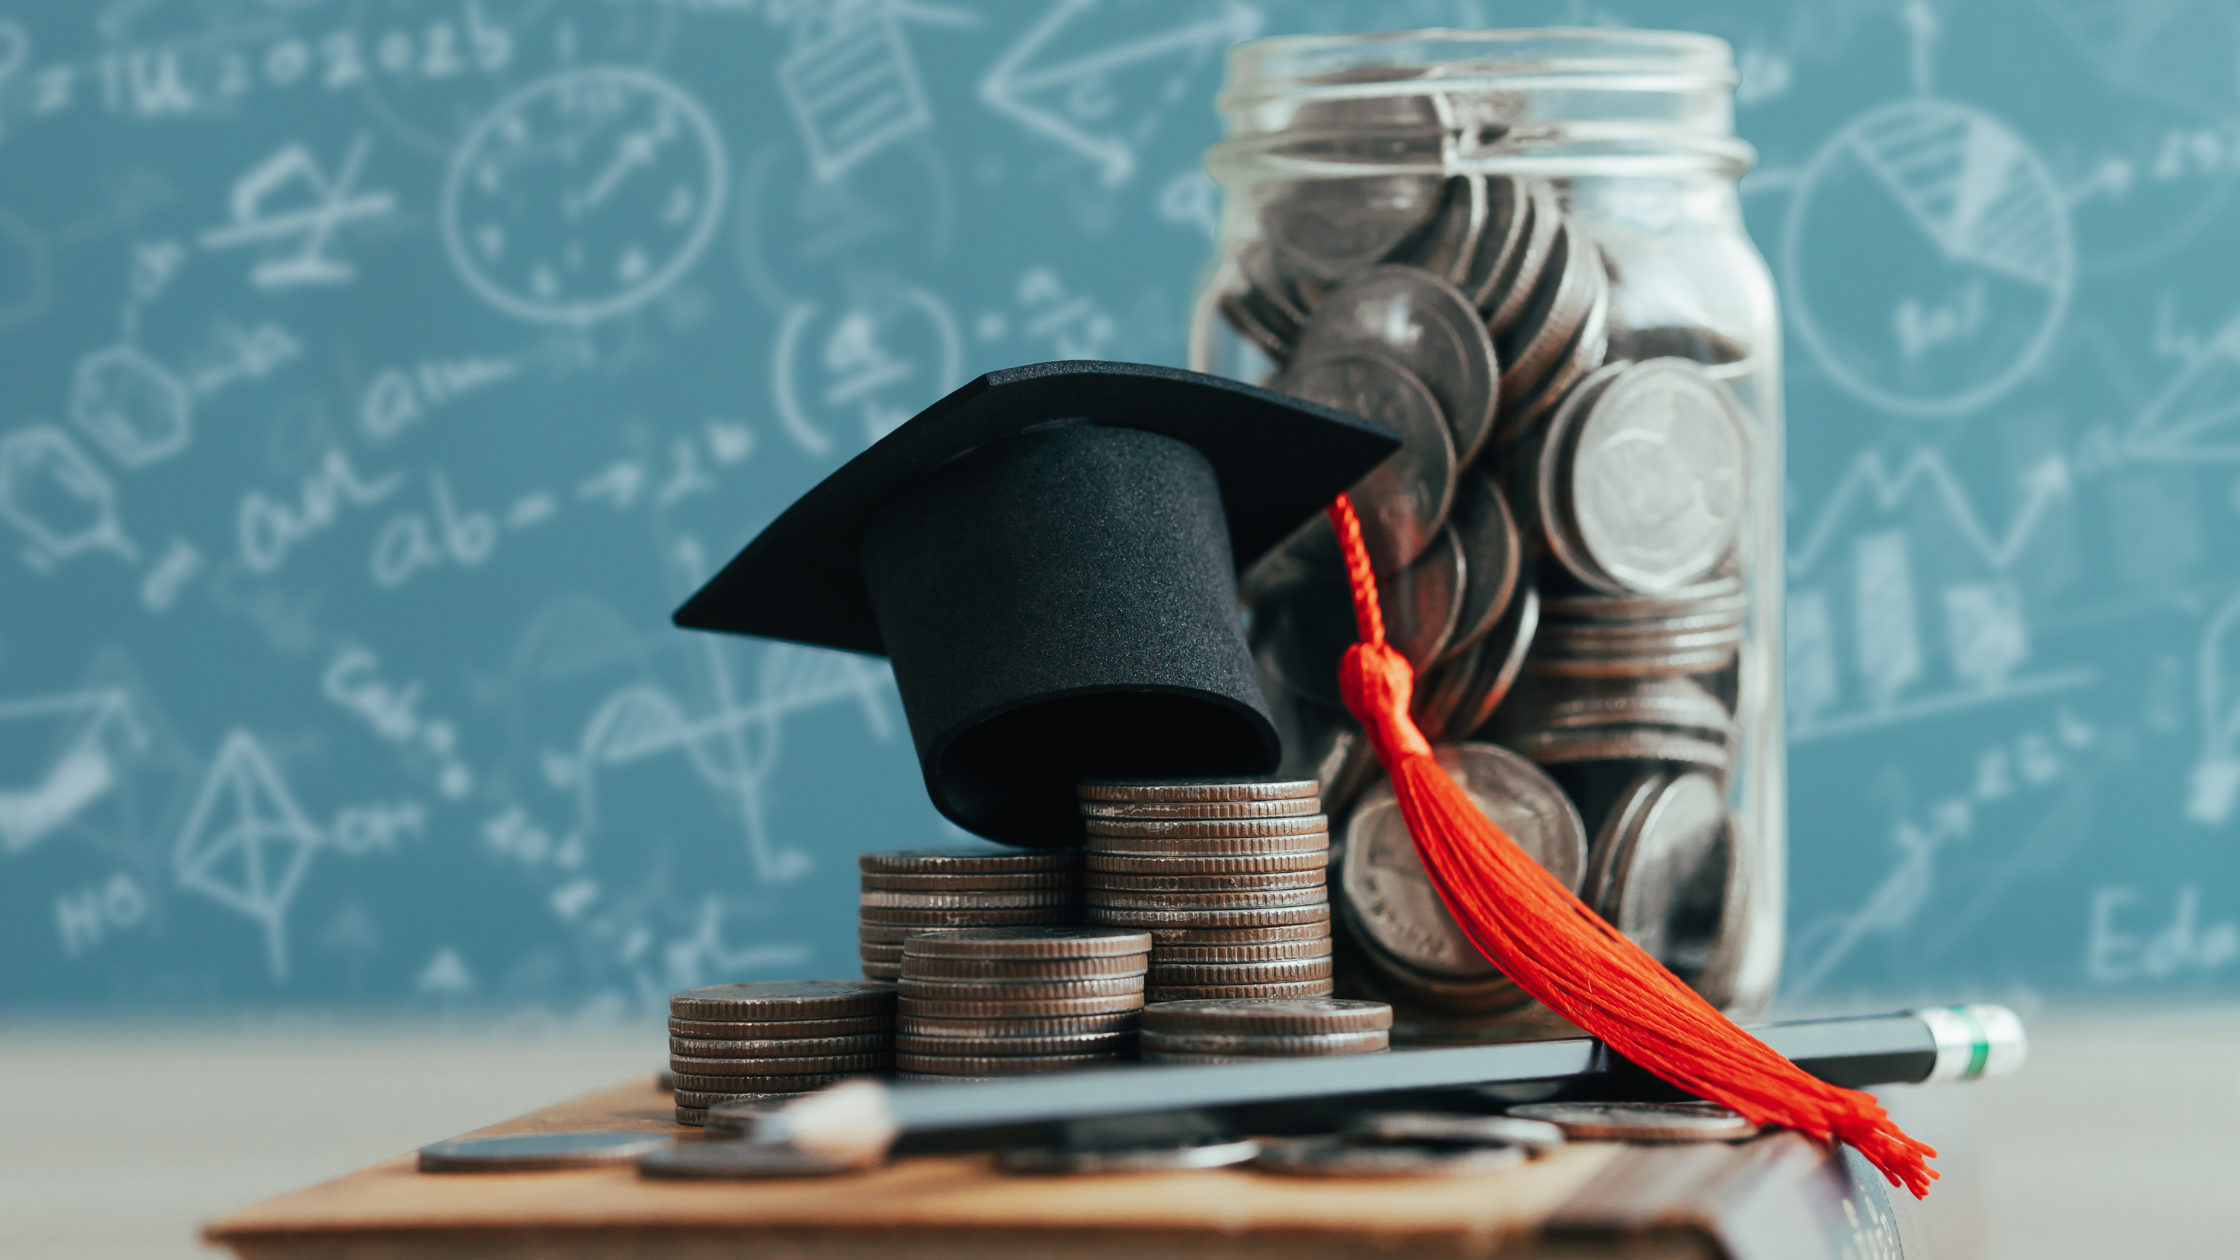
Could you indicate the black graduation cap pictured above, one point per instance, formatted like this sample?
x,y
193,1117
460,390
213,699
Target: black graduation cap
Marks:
x,y
1049,557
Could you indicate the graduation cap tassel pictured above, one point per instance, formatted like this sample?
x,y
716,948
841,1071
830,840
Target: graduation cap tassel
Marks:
x,y
1546,940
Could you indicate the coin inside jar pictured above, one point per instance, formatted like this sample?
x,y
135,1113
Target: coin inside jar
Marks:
x,y
1391,897
1652,481
1663,875
1404,501
1425,325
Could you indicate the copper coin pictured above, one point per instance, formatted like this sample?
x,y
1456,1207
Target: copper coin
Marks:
x,y
1268,881
1264,951
1260,899
1029,942
779,1047
803,1065
985,859
769,1030
1264,1016
1019,990
1168,975
1003,1065
879,953
1279,916
1267,1045
1196,789
878,970
927,967
1023,881
994,1029
1026,1009
1123,1042
1103,866
784,999
694,1116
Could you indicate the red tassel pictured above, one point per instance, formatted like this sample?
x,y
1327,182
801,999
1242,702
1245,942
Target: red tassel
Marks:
x,y
1546,940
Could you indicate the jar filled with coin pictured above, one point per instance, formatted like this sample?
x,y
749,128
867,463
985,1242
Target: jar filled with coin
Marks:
x,y
1524,251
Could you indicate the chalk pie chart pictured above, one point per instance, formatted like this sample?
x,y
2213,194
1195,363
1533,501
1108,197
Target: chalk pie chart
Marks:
x,y
1927,258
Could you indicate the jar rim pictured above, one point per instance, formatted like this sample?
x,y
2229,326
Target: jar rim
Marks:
x,y
1698,59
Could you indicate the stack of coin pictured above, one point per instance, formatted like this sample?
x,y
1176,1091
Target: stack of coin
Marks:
x,y
986,885
775,1037
1237,1031
985,1003
1228,877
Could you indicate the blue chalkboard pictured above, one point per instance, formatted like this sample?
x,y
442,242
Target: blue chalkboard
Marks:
x,y
357,437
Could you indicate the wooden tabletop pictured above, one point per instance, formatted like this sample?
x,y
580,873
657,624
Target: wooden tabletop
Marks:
x,y
1581,1200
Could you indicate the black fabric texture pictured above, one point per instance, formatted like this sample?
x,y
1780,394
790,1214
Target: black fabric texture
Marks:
x,y
1061,605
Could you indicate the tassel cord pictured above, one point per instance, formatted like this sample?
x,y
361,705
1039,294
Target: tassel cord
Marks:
x,y
1561,952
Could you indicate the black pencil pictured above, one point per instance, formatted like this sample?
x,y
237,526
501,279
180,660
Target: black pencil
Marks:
x,y
864,1121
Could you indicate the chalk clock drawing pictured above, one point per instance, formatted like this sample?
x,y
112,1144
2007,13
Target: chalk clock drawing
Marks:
x,y
583,195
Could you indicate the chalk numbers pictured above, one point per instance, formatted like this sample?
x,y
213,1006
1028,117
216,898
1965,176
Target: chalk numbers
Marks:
x,y
583,195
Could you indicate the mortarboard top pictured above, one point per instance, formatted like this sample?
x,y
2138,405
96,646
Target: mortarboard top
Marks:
x,y
1049,555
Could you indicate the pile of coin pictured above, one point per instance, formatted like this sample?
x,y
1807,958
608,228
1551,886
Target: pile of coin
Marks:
x,y
1556,542
1229,878
1246,1030
775,1038
986,885
985,1003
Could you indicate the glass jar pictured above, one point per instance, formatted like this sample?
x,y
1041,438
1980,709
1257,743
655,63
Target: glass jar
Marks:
x,y
1524,250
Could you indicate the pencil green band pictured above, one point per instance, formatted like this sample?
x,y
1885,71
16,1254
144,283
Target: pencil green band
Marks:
x,y
1973,1042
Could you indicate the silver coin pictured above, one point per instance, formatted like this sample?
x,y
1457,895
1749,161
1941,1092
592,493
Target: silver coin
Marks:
x,y
1455,1128
1660,665
1174,1059
1492,557
1508,214
1422,604
1668,871
1267,881
1268,1016
1695,343
1331,228
1257,264
1403,502
1268,1045
1201,809
1446,246
1270,789
1587,352
1256,320
522,1152
1048,1161
1493,666
1655,478
1326,1157
1589,703
1573,285
980,859
738,1161
1026,943
1640,1121
1621,743
1249,899
1513,290
1206,828
1170,974
968,900
1388,889
1722,592
1425,325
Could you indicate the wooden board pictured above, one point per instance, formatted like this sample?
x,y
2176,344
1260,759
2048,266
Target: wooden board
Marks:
x,y
1583,1200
